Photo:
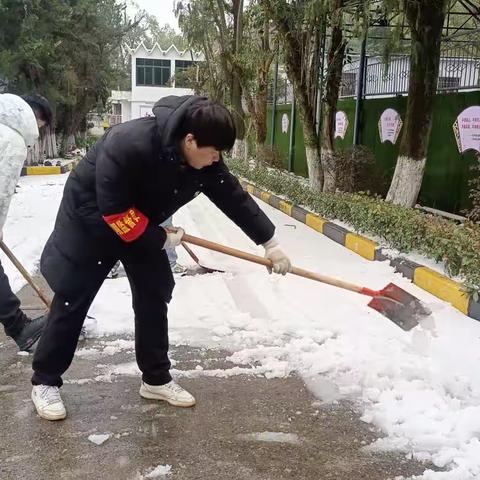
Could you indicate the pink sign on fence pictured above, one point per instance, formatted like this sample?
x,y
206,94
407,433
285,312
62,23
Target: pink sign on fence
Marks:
x,y
389,126
467,129
341,125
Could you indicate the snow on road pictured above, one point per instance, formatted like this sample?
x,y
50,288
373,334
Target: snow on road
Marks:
x,y
421,388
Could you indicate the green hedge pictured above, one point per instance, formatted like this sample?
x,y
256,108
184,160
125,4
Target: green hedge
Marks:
x,y
404,229
88,142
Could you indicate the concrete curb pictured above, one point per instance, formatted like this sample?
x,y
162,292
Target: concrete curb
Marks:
x,y
424,277
49,170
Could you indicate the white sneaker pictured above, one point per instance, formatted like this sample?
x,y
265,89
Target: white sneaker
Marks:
x,y
48,402
171,392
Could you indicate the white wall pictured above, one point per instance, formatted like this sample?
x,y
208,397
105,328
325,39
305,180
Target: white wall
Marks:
x,y
152,94
140,109
126,111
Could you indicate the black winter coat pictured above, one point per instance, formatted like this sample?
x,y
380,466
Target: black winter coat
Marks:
x,y
132,180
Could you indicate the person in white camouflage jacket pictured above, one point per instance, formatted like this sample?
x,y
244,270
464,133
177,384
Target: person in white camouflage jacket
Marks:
x,y
20,119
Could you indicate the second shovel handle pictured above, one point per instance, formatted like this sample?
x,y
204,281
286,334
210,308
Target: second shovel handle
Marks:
x,y
25,274
190,252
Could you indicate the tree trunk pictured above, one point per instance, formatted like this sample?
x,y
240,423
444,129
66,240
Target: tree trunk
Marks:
x,y
49,143
261,152
67,143
425,19
314,168
301,51
305,111
407,180
256,95
71,122
237,108
260,107
336,55
45,147
329,166
238,151
260,138
236,92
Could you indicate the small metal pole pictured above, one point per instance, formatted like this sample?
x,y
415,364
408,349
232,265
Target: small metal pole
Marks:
x,y
291,149
360,88
274,104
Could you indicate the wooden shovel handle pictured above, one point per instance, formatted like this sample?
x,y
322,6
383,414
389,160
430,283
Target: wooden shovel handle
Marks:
x,y
263,261
25,274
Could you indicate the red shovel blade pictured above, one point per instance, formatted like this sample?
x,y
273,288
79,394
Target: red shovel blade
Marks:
x,y
399,306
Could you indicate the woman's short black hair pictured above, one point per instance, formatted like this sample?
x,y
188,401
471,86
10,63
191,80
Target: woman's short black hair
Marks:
x,y
211,124
41,107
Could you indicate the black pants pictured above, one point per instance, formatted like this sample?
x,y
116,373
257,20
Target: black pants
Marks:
x,y
151,283
12,318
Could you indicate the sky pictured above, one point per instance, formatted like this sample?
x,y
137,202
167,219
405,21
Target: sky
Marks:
x,y
162,9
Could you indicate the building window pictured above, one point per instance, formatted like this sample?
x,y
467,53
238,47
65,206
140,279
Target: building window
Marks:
x,y
117,108
448,83
116,116
153,72
181,66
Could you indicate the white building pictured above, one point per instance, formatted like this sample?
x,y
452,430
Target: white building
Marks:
x,y
154,76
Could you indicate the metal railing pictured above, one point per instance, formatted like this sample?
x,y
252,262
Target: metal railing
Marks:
x,y
284,91
115,119
459,70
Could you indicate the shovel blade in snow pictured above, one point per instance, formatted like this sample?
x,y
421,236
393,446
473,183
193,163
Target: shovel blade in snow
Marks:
x,y
401,307
200,270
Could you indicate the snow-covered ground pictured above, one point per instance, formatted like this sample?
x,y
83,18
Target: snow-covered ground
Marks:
x,y
422,388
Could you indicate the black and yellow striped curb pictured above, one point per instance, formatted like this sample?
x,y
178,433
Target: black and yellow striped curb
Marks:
x,y
433,282
49,170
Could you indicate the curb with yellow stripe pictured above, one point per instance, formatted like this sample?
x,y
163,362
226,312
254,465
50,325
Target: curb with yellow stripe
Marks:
x,y
49,170
424,277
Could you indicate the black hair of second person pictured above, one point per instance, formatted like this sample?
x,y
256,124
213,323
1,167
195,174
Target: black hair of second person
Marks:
x,y
211,124
41,107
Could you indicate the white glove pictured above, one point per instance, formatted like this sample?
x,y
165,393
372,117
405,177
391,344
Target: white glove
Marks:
x,y
281,263
174,237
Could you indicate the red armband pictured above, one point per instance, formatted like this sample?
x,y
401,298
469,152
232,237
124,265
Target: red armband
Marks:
x,y
128,225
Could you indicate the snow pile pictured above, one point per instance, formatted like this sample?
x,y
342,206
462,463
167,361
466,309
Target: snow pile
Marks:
x,y
30,221
99,439
274,437
160,471
109,348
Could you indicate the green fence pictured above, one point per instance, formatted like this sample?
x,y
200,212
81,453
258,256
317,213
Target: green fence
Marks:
x,y
283,122
445,184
